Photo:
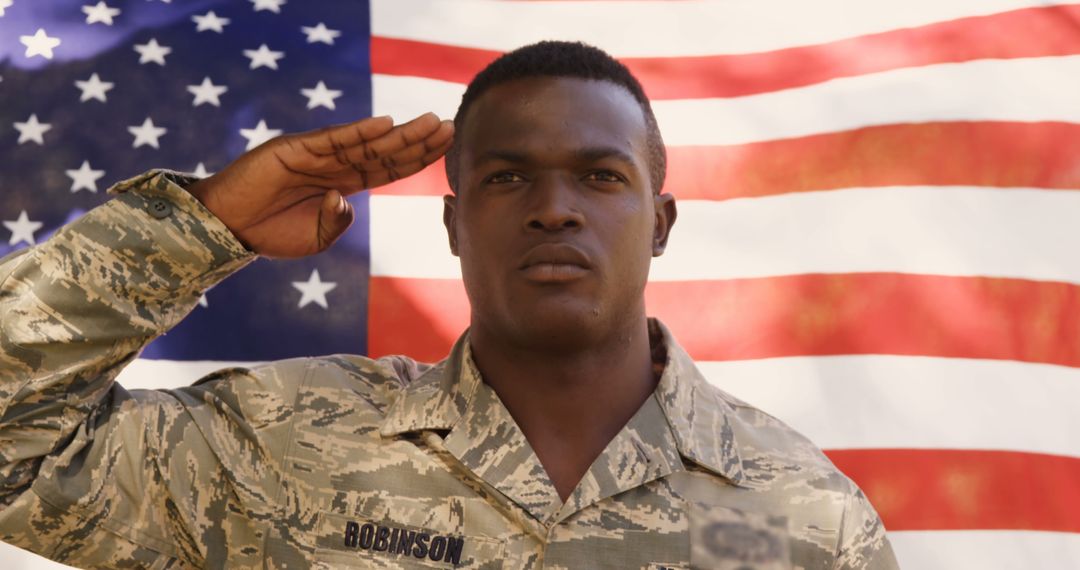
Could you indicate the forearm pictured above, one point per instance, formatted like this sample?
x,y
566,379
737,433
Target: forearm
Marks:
x,y
77,308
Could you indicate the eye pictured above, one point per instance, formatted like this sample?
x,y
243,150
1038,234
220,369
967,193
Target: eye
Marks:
x,y
503,178
604,176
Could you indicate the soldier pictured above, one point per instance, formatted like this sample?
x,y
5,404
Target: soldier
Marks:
x,y
564,430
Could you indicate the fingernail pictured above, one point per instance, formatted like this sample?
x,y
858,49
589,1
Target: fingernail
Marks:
x,y
341,205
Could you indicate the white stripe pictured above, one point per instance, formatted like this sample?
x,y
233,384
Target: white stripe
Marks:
x,y
955,231
880,401
857,402
408,238
1027,90
17,559
406,97
634,28
986,550
152,374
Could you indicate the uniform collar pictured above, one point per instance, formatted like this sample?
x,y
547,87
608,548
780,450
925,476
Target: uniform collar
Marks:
x,y
685,418
438,398
700,415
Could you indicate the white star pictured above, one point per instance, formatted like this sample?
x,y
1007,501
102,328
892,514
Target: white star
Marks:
x,y
32,130
85,177
101,12
152,51
5,4
320,95
201,172
93,88
258,135
147,133
264,57
314,290
320,33
210,21
207,92
272,5
39,44
23,229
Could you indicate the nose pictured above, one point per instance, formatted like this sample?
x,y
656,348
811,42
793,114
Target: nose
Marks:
x,y
553,205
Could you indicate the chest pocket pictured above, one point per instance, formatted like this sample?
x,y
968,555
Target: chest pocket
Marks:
x,y
374,542
728,539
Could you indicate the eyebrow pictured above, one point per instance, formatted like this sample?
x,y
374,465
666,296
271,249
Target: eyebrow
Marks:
x,y
593,154
587,154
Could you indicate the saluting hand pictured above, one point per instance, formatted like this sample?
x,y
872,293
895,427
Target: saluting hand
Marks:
x,y
285,197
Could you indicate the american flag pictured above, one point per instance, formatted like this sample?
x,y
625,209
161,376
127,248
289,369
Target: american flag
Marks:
x,y
879,229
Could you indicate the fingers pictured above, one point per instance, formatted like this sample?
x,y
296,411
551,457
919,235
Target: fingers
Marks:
x,y
367,139
396,153
400,171
410,163
416,137
403,136
335,216
438,139
328,140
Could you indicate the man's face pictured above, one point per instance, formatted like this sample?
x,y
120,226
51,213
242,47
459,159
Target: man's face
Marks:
x,y
554,220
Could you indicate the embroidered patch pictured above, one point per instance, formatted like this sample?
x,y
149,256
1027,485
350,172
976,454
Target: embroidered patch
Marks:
x,y
403,542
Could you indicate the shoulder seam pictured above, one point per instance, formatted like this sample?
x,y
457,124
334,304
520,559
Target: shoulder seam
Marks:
x,y
309,369
840,534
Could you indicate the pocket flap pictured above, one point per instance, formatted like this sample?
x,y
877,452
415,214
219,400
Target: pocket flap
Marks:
x,y
729,539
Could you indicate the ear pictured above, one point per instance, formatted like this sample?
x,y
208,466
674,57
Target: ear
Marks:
x,y
664,217
449,218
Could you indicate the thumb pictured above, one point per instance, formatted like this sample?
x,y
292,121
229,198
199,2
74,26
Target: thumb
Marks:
x,y
335,216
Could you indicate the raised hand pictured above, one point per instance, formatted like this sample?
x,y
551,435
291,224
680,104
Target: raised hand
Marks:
x,y
285,197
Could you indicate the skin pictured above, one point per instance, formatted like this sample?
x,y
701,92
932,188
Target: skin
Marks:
x,y
285,197
559,161
555,223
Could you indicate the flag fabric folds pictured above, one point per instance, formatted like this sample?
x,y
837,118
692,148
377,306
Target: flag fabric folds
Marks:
x,y
879,211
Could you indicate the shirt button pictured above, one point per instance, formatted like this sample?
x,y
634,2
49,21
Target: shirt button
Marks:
x,y
160,208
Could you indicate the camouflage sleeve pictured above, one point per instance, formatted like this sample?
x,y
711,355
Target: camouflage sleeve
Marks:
x,y
863,543
74,310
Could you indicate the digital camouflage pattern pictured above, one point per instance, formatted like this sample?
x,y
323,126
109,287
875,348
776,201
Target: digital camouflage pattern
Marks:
x,y
344,461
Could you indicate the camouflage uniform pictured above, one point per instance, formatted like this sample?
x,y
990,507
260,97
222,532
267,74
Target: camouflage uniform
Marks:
x,y
344,461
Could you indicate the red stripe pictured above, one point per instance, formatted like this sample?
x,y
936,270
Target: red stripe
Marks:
x,y
392,56
418,317
1000,154
802,315
958,489
1029,32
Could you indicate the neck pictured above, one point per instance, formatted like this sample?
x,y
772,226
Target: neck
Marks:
x,y
569,403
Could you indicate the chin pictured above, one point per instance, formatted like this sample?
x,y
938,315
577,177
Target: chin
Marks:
x,y
559,326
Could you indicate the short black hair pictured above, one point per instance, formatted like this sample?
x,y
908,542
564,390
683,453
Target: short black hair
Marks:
x,y
561,59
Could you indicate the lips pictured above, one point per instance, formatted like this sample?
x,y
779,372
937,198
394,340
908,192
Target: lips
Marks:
x,y
555,263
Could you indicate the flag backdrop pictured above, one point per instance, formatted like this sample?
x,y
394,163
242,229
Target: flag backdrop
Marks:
x,y
879,229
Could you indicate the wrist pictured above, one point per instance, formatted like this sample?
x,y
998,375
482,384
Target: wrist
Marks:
x,y
202,190
199,189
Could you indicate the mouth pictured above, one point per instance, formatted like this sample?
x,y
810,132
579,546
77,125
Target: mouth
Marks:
x,y
553,272
555,263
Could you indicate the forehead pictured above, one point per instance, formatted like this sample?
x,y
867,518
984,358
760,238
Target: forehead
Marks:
x,y
544,114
